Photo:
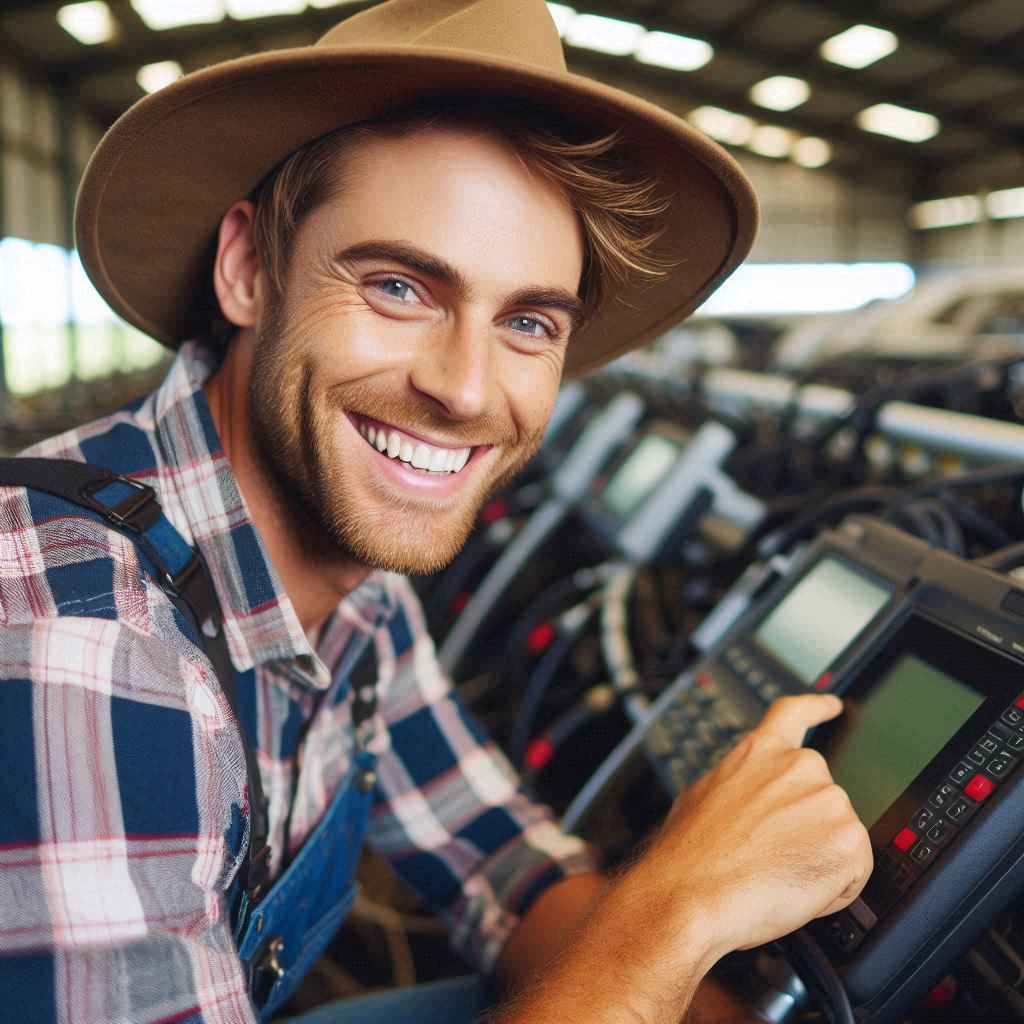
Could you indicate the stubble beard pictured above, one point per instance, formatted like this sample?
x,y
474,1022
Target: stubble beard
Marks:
x,y
294,429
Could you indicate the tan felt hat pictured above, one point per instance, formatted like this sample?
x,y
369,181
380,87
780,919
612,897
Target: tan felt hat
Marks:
x,y
163,176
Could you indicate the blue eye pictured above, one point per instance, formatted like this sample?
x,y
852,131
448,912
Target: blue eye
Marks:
x,y
528,325
394,288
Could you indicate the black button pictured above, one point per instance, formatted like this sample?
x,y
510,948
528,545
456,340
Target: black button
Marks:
x,y
977,755
902,877
1013,715
849,935
923,852
887,863
989,744
961,773
1000,765
939,833
942,796
920,821
999,730
960,810
1013,602
1015,741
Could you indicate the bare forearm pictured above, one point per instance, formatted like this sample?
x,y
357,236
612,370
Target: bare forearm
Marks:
x,y
633,960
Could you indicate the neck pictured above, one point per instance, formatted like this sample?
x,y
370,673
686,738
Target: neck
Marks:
x,y
314,584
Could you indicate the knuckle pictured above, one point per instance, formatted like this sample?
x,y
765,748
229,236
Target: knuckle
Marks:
x,y
810,763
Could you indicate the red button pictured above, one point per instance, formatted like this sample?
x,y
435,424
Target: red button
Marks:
x,y
538,753
824,681
1020,701
538,640
703,679
905,840
979,787
493,511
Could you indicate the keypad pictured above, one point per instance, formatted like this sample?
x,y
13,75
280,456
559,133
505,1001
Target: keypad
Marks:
x,y
985,765
695,733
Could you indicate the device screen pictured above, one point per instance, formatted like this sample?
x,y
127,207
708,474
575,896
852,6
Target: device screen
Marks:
x,y
881,744
820,617
638,475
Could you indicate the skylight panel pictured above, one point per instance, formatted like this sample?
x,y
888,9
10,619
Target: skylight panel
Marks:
x,y
723,125
160,15
780,92
667,50
946,213
243,10
1004,203
811,152
899,122
89,23
772,141
605,35
153,77
859,46
563,16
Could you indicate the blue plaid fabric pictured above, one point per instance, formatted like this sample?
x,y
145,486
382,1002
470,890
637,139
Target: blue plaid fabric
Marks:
x,y
121,821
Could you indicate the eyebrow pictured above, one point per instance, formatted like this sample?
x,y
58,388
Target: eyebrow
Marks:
x,y
441,270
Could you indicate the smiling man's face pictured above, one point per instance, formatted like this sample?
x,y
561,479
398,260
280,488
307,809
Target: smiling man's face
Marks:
x,y
413,360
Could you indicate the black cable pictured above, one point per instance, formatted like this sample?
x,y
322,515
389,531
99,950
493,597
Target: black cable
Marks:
x,y
541,678
818,974
1004,559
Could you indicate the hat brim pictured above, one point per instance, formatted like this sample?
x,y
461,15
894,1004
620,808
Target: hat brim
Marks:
x,y
158,184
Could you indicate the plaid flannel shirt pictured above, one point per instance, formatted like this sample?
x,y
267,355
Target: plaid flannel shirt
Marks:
x,y
123,773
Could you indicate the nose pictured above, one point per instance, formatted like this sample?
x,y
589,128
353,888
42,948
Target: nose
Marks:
x,y
453,368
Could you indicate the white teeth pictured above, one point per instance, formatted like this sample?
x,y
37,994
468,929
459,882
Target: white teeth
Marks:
x,y
421,457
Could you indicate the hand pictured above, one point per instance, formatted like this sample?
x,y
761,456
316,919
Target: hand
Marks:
x,y
766,841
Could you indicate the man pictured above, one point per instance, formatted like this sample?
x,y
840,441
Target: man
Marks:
x,y
440,221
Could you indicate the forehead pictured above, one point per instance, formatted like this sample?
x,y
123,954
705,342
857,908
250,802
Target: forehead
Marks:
x,y
465,195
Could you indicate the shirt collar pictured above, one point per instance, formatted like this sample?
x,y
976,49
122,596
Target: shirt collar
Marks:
x,y
202,499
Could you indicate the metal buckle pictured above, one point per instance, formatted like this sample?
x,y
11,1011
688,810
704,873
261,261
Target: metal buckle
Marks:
x,y
125,511
268,961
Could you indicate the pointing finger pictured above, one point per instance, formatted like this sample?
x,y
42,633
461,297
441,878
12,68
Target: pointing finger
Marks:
x,y
791,717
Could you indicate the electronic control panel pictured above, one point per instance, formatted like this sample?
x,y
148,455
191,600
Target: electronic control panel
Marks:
x,y
927,652
664,487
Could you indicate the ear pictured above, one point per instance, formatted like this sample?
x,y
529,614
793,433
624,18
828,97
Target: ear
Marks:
x,y
236,271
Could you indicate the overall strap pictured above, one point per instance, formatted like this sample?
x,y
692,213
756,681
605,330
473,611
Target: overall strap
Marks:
x,y
131,508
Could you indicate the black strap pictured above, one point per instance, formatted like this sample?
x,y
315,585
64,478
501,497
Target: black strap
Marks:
x,y
183,576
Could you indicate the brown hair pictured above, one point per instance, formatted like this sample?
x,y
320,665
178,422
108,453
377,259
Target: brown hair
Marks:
x,y
614,204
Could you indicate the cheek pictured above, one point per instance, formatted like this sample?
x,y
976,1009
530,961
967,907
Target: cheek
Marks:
x,y
532,389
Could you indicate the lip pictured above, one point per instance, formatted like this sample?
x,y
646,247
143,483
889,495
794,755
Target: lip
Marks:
x,y
415,481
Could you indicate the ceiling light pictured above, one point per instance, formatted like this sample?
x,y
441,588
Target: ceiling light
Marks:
x,y
945,213
243,10
164,14
153,77
1007,202
859,46
723,125
771,140
667,50
898,122
323,4
89,23
780,92
811,152
605,35
562,16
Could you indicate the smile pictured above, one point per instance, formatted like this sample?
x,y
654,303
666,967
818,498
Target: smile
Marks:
x,y
393,443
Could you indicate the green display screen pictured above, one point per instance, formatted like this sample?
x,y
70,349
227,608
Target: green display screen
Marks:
x,y
642,470
820,617
882,744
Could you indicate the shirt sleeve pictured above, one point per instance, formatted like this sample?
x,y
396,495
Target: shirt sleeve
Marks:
x,y
113,747
450,813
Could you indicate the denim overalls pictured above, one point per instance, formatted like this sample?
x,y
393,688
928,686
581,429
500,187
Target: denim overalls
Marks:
x,y
281,936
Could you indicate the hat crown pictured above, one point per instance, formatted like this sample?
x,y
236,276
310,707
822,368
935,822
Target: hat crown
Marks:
x,y
518,30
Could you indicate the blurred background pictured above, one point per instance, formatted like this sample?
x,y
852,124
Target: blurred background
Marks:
x,y
884,138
